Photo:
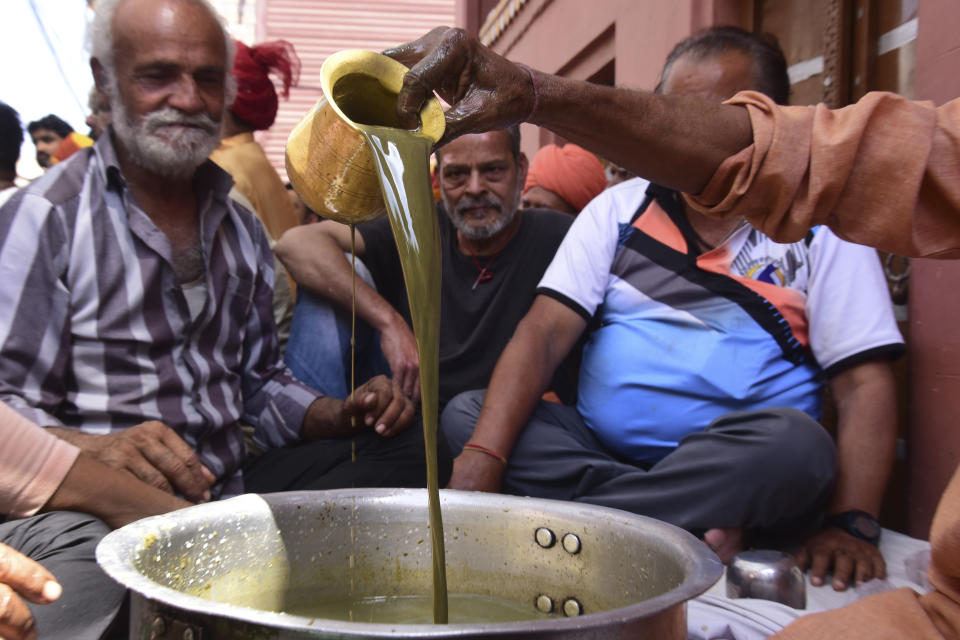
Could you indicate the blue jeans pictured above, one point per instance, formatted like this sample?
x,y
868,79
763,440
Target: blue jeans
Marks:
x,y
318,350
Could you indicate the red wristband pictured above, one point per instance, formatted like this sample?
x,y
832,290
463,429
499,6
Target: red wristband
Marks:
x,y
489,452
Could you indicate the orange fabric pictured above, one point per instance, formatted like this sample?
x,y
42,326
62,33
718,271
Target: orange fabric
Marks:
x,y
903,613
570,171
70,145
884,172
657,224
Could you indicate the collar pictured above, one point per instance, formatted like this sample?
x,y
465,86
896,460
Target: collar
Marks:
x,y
207,177
671,201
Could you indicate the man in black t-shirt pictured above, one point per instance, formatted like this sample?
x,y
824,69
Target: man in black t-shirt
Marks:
x,y
493,258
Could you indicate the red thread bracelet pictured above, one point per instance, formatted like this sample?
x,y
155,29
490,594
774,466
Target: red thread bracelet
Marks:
x,y
489,452
536,91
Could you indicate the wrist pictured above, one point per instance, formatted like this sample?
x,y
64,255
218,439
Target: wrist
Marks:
x,y
325,418
534,90
389,321
486,451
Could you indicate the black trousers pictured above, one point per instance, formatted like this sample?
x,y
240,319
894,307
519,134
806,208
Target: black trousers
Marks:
x,y
65,542
364,460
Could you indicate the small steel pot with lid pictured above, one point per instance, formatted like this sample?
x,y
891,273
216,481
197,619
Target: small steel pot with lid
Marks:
x,y
241,568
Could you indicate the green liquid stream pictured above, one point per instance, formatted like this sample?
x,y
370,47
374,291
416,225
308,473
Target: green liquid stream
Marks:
x,y
403,163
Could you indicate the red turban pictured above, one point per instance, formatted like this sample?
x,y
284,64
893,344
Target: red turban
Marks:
x,y
571,172
256,101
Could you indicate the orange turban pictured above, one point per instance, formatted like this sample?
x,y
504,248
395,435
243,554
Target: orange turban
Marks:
x,y
570,171
256,101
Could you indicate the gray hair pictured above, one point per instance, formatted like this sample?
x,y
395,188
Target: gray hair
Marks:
x,y
102,45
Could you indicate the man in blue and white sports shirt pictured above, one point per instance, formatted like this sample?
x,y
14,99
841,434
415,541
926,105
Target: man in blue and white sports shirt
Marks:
x,y
706,349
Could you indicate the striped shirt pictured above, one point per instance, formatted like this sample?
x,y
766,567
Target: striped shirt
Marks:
x,y
95,329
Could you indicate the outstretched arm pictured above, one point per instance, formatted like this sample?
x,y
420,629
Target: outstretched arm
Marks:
x,y
865,396
314,255
542,340
799,167
676,141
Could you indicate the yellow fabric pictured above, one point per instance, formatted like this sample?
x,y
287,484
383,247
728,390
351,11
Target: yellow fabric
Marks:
x,y
243,158
253,175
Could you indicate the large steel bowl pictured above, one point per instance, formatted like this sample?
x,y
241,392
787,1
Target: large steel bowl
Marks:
x,y
228,569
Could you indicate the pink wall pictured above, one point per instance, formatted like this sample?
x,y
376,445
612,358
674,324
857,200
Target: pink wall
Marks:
x,y
318,28
576,38
934,435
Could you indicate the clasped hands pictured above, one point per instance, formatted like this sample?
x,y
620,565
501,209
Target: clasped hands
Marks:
x,y
157,455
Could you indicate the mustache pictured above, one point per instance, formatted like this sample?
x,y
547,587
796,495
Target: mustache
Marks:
x,y
171,117
488,202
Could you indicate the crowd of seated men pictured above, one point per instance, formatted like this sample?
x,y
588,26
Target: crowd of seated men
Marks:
x,y
170,333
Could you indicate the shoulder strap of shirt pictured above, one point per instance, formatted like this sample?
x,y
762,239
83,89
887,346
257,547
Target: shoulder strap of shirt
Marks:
x,y
648,197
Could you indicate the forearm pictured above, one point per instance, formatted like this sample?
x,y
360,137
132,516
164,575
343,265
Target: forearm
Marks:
x,y
318,264
675,141
521,377
866,439
114,496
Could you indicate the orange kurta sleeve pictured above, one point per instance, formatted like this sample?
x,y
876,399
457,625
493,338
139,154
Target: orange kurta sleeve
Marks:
x,y
33,463
883,172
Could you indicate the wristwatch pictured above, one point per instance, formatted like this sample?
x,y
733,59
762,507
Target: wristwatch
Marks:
x,y
859,524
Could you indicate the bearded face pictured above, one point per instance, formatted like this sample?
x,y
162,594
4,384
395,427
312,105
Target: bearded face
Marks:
x,y
481,217
166,142
480,181
166,73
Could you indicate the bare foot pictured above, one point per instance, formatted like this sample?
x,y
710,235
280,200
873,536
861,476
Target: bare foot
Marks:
x,y
726,542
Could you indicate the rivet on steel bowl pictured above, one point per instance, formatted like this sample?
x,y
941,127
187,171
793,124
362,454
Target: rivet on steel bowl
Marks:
x,y
544,603
188,634
545,538
158,628
572,608
571,543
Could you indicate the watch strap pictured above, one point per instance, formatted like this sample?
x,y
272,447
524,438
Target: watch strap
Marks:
x,y
847,521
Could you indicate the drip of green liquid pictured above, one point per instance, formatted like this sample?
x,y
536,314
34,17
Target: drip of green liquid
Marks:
x,y
403,164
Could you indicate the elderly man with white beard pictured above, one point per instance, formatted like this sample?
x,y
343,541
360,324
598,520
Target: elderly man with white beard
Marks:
x,y
492,253
136,317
